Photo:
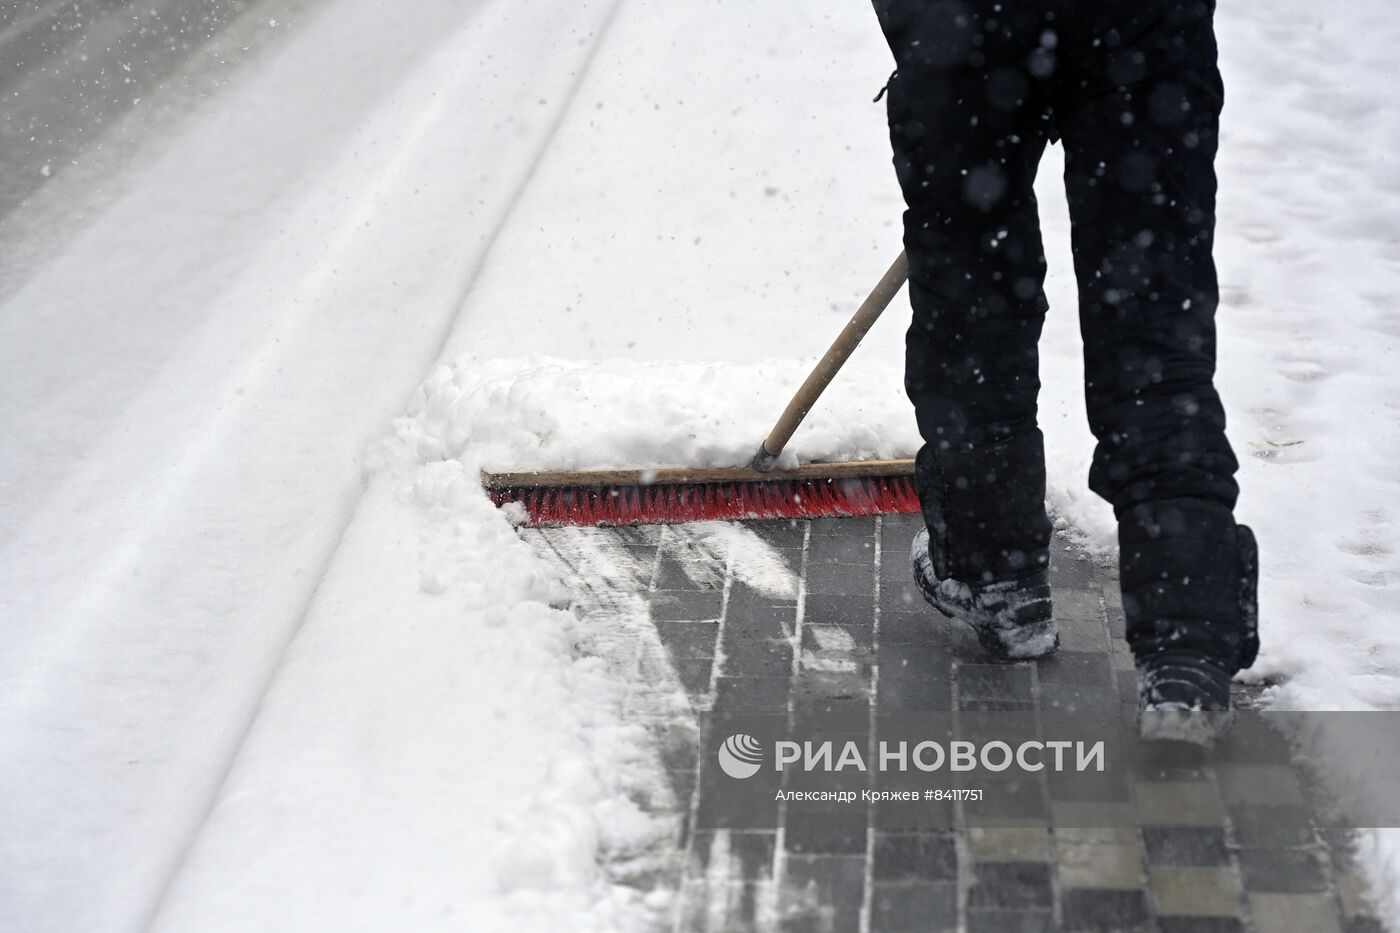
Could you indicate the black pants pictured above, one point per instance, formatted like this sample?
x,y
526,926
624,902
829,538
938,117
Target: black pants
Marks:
x,y
1132,89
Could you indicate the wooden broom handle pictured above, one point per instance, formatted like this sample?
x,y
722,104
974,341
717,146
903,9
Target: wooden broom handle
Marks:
x,y
830,364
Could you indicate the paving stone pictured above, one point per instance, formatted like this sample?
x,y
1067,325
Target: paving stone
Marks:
x,y
695,674
816,831
1010,885
1070,572
676,575
842,549
836,641
762,657
1200,925
1093,822
1293,913
1074,604
1118,911
749,694
1099,866
1260,785
1195,892
830,889
904,686
972,705
1185,847
689,639
1178,803
1017,801
1101,787
781,533
1010,921
927,817
1256,746
828,609
1272,827
840,579
913,905
732,855
1282,870
685,605
1077,635
902,596
844,527
1087,670
718,907
915,856
1008,843
995,681
834,691
744,599
772,622
920,627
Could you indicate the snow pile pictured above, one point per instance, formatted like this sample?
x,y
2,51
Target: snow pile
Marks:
x,y
541,413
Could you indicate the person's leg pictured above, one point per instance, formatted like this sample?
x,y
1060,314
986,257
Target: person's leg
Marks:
x,y
968,123
1139,111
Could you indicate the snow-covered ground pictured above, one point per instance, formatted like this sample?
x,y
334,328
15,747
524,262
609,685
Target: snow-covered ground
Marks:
x,y
268,658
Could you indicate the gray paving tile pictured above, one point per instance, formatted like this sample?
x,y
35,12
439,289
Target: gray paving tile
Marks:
x,y
829,609
737,856
1010,921
1015,885
695,674
833,549
829,889
685,605
844,527
1282,871
1200,925
751,694
910,906
1185,846
1110,910
689,639
781,533
759,624
1272,827
816,831
759,657
995,681
840,579
915,856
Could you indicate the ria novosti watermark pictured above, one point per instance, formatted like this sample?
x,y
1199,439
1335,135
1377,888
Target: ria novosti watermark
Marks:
x,y
741,756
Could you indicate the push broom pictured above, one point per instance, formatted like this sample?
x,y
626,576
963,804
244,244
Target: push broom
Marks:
x,y
756,491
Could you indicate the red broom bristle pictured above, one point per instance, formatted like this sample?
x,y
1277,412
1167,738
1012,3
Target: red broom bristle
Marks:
x,y
675,503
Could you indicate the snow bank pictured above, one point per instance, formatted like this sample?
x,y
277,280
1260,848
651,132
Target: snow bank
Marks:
x,y
538,412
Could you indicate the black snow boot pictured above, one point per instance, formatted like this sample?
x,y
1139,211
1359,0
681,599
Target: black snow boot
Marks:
x,y
1012,619
1190,594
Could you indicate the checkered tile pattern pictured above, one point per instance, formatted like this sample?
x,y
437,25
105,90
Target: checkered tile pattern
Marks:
x,y
1189,852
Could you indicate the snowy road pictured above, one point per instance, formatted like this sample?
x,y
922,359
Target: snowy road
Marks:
x,y
260,670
